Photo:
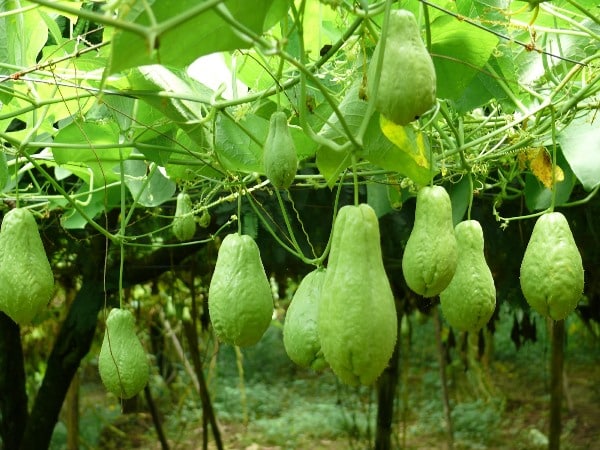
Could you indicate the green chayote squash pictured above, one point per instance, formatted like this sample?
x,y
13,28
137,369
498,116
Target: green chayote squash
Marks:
x,y
122,362
552,270
280,160
431,254
240,300
184,223
470,299
300,333
406,87
26,279
357,321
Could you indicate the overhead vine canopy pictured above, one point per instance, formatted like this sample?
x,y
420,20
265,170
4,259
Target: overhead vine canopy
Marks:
x,y
121,104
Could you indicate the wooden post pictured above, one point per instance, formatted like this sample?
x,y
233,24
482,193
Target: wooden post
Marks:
x,y
444,381
556,383
72,414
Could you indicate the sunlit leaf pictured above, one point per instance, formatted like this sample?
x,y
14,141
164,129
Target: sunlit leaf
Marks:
x,y
411,142
459,51
22,36
580,143
396,148
196,31
87,142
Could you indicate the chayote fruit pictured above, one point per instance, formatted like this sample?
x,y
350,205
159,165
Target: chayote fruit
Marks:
x,y
357,320
300,333
552,271
406,87
184,224
240,300
431,254
470,299
279,158
122,363
26,279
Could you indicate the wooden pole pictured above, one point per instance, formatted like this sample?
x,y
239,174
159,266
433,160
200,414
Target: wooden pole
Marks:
x,y
556,383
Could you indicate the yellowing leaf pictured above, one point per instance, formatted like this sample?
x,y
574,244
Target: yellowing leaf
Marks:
x,y
540,165
408,140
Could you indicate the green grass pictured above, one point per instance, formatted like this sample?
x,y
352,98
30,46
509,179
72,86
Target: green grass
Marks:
x,y
293,408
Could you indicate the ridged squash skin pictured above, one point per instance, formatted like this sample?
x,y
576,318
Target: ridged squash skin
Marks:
x,y
300,333
280,160
357,321
406,88
26,279
470,299
240,300
184,223
552,276
122,362
431,253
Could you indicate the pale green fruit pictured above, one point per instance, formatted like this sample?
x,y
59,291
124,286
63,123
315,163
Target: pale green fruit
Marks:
x,y
552,270
122,363
470,299
240,301
300,333
406,87
430,257
26,279
184,224
357,320
279,158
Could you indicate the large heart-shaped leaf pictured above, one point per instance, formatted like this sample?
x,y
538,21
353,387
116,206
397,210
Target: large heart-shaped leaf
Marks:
x,y
188,29
580,143
459,52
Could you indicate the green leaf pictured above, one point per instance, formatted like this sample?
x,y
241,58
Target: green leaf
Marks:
x,y
378,197
190,166
195,31
84,140
460,196
459,52
352,109
23,33
580,144
92,205
236,150
165,89
331,163
149,187
89,152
